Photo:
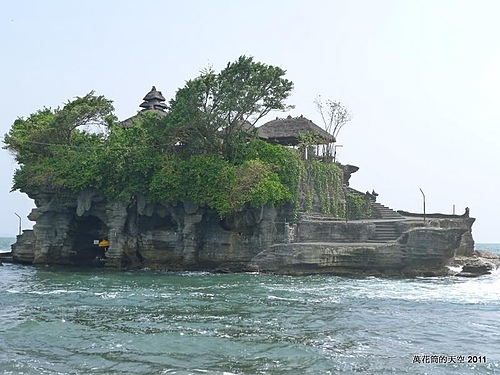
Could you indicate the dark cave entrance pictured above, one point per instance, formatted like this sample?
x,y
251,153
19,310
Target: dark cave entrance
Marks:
x,y
88,231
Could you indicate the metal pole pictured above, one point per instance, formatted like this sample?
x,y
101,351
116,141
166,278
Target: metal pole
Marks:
x,y
20,228
423,195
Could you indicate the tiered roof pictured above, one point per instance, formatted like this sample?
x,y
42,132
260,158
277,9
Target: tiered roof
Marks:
x,y
152,102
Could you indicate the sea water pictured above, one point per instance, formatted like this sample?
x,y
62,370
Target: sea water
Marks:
x,y
74,321
5,243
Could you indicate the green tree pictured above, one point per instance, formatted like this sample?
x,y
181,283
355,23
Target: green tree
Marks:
x,y
44,132
214,112
58,148
127,162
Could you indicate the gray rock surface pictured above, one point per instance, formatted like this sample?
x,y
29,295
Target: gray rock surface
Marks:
x,y
179,236
418,252
479,263
186,236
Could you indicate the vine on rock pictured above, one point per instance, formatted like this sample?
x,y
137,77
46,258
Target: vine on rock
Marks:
x,y
322,182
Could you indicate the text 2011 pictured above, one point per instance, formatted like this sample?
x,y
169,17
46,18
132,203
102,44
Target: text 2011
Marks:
x,y
476,359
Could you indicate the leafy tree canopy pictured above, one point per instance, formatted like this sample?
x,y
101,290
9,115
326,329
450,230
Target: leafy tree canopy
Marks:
x,y
43,132
214,112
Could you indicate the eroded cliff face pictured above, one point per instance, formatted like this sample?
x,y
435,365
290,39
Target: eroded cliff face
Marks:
x,y
185,236
180,236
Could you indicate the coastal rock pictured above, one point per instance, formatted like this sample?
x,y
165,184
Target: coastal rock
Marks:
x,y
23,248
160,236
466,245
334,231
480,263
329,258
418,252
185,236
84,201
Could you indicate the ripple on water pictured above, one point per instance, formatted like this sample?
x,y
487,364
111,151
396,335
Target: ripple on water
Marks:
x,y
53,321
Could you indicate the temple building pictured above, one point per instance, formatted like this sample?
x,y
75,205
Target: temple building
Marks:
x,y
287,132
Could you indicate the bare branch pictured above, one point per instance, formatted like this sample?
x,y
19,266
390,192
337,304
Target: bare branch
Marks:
x,y
335,118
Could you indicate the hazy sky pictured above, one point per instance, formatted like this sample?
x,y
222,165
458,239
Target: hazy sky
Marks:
x,y
421,79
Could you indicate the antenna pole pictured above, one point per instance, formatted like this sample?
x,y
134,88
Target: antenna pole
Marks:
x,y
20,229
423,195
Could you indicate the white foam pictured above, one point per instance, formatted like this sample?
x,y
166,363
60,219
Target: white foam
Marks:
x,y
455,270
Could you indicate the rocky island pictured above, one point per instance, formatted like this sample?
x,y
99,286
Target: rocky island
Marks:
x,y
195,185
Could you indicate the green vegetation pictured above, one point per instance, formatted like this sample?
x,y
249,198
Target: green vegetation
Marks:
x,y
204,149
224,185
214,112
358,207
323,180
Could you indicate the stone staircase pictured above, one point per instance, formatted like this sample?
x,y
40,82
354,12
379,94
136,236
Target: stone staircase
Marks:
x,y
385,231
382,212
384,218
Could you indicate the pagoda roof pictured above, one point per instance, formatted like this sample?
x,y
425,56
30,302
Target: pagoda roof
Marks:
x,y
154,94
154,100
127,123
153,103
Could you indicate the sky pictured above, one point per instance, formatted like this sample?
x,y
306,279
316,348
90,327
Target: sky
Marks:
x,y
421,79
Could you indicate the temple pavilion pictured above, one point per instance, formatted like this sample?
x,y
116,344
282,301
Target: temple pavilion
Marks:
x,y
286,131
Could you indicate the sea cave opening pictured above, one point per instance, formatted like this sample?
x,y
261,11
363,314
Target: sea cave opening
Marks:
x,y
89,232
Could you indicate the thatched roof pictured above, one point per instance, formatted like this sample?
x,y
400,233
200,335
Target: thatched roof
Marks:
x,y
285,131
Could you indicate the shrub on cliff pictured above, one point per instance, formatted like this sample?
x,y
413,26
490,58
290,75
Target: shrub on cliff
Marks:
x,y
214,181
51,145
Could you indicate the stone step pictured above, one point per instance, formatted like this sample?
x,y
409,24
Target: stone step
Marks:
x,y
385,232
390,236
386,228
383,212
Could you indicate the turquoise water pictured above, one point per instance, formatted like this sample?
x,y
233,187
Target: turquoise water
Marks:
x,y
55,321
5,243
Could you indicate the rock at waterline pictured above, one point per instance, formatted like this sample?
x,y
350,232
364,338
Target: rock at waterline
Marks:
x,y
480,263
